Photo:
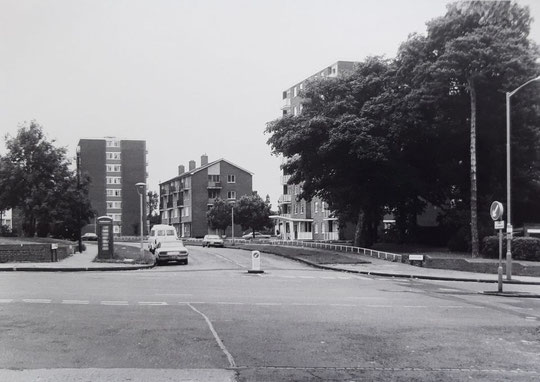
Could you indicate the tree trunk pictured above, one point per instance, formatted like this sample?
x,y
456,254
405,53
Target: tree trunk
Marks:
x,y
358,232
474,201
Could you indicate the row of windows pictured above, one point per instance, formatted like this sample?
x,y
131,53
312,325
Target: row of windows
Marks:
x,y
114,168
174,213
114,192
113,143
113,155
114,205
115,217
114,180
217,178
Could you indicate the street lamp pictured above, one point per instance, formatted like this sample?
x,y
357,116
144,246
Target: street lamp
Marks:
x,y
140,189
508,181
78,197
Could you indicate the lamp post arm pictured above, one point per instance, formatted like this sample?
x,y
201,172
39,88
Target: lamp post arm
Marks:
x,y
510,94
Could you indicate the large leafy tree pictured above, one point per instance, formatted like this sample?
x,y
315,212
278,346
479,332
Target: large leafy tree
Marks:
x,y
219,215
152,203
251,212
459,69
36,179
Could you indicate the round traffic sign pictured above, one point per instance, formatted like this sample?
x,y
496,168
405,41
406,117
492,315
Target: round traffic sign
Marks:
x,y
496,210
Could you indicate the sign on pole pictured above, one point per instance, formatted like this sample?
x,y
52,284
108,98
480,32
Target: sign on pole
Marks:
x,y
496,210
499,224
255,262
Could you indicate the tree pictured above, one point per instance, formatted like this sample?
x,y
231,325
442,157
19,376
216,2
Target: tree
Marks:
x,y
470,54
152,203
251,212
35,177
219,216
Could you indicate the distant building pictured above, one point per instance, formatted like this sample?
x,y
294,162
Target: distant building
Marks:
x,y
115,166
299,219
185,199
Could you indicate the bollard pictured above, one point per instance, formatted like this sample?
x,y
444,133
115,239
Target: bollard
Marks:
x,y
255,262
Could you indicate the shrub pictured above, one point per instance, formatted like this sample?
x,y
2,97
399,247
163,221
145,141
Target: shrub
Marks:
x,y
523,248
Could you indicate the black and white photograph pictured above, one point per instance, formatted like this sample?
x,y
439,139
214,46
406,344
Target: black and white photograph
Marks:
x,y
269,191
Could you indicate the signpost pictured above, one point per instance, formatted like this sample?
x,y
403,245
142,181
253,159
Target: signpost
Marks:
x,y
496,211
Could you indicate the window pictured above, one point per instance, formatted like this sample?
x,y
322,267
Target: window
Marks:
x,y
295,208
316,225
115,217
295,111
114,168
113,155
302,206
113,143
231,178
114,180
284,95
114,192
322,228
301,86
114,205
214,178
295,92
116,229
212,194
231,194
316,207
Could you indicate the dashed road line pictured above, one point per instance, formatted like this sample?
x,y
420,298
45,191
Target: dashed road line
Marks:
x,y
76,302
152,303
114,303
5,300
37,300
530,318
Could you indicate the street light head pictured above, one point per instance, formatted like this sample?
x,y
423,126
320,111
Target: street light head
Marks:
x,y
140,187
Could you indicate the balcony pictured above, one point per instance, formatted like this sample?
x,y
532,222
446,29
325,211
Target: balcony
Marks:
x,y
285,199
305,235
175,220
164,221
214,184
286,104
180,202
285,179
170,204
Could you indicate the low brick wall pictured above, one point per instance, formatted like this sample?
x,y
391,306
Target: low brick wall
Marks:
x,y
32,253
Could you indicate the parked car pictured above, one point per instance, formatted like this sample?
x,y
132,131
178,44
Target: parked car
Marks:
x,y
257,235
171,251
161,233
212,241
89,236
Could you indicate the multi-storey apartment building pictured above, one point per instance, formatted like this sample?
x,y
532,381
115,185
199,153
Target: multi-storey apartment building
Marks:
x,y
299,219
115,166
185,199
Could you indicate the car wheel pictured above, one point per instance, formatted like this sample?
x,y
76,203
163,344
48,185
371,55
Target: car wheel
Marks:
x,y
185,262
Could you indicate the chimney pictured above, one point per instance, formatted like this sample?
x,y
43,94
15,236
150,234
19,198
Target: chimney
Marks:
x,y
204,160
191,165
181,169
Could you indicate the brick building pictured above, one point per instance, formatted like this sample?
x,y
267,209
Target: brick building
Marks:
x,y
299,219
185,199
115,166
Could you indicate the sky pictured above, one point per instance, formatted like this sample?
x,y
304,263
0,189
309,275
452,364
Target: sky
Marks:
x,y
189,77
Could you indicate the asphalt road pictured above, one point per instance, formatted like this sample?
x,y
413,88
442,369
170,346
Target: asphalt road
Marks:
x,y
212,321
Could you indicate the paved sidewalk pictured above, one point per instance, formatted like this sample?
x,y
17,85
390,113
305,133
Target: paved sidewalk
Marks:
x,y
76,262
379,267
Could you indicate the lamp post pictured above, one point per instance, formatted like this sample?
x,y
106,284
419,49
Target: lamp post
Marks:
x,y
232,222
508,181
140,189
78,196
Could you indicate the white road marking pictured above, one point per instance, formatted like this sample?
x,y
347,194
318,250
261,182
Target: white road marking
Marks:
x,y
414,306
76,302
449,290
230,303
379,306
531,318
114,303
173,294
268,303
452,306
306,277
155,303
229,356
328,277
5,300
37,300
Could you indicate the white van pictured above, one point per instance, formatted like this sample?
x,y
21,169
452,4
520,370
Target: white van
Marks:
x,y
160,233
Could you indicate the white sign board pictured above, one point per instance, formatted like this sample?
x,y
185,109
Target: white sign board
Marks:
x,y
255,261
416,257
499,224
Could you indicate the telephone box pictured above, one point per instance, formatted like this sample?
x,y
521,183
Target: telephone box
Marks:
x,y
105,237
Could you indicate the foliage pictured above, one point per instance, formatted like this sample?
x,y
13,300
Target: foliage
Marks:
x,y
152,203
251,212
397,134
219,216
35,177
523,248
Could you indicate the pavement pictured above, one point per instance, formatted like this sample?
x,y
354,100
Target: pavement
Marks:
x,y
368,266
74,263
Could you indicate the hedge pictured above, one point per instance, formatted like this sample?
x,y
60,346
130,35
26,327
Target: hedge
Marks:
x,y
523,248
